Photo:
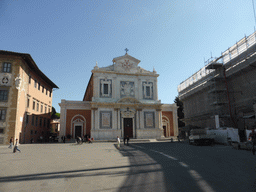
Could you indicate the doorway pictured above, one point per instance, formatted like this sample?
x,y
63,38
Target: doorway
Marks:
x,y
128,127
78,130
164,128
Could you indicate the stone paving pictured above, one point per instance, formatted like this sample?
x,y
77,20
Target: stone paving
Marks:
x,y
63,167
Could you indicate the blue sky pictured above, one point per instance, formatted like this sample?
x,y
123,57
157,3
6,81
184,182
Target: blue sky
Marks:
x,y
66,38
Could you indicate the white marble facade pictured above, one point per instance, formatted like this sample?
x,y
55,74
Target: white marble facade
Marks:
x,y
124,101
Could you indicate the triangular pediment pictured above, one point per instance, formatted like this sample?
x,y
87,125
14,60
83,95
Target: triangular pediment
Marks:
x,y
126,64
128,100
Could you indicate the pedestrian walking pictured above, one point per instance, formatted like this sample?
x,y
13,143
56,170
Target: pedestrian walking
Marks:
x,y
16,147
124,139
127,140
118,142
63,139
11,143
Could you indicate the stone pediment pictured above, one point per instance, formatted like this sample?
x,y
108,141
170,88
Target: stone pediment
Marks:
x,y
128,100
126,63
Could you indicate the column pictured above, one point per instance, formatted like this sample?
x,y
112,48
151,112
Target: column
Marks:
x,y
115,119
63,119
157,119
92,119
155,90
141,119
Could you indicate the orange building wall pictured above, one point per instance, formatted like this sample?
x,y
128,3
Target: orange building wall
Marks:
x,y
17,102
71,113
169,115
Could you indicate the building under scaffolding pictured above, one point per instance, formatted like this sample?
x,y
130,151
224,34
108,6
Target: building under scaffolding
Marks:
x,y
223,92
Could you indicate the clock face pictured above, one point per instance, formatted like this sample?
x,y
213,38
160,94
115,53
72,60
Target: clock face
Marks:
x,y
127,64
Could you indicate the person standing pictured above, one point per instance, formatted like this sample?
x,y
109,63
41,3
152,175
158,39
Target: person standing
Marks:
x,y
124,139
127,140
16,147
118,142
11,142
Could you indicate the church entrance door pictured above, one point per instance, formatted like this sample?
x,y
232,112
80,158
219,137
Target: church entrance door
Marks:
x,y
128,127
78,130
164,128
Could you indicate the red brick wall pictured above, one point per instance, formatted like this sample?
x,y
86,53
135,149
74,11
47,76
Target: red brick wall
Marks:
x,y
89,90
169,115
85,113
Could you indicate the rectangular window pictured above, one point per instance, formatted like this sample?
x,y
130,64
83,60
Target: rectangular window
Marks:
x,y
49,110
37,106
34,105
29,79
45,109
147,91
105,89
46,91
7,67
3,95
1,130
2,114
33,120
35,83
39,86
40,122
27,118
41,108
28,100
31,132
50,93
42,89
36,121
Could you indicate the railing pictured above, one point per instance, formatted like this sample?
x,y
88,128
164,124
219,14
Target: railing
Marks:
x,y
240,47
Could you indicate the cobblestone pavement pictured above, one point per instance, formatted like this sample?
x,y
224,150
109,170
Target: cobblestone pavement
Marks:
x,y
63,167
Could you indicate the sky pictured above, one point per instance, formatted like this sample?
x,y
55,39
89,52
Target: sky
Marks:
x,y
67,37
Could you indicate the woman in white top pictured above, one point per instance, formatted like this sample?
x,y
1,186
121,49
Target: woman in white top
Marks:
x,y
118,142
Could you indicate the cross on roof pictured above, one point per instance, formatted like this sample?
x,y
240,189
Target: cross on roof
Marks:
x,y
126,50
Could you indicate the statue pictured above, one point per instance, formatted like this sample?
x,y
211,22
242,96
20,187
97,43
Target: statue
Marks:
x,y
17,81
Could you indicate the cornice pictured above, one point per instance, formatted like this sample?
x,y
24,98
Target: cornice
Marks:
x,y
129,74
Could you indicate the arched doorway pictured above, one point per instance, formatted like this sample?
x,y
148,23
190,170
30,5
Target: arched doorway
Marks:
x,y
78,126
166,126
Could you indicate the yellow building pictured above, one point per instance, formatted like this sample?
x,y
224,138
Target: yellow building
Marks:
x,y
25,99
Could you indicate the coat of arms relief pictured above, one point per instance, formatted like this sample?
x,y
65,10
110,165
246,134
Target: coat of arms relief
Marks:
x,y
127,89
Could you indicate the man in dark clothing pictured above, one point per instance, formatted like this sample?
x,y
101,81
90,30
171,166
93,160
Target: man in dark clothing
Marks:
x,y
127,139
124,139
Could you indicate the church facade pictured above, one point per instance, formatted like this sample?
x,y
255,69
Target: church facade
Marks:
x,y
120,100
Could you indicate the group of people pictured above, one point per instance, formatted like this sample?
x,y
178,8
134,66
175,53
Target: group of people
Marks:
x,y
86,139
126,138
15,148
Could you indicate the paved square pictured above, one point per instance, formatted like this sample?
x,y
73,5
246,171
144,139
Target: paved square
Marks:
x,y
63,167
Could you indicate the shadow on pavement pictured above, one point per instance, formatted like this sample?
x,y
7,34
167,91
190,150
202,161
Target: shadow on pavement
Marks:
x,y
169,177
196,174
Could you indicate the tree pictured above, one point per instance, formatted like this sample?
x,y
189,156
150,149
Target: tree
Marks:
x,y
179,111
54,114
